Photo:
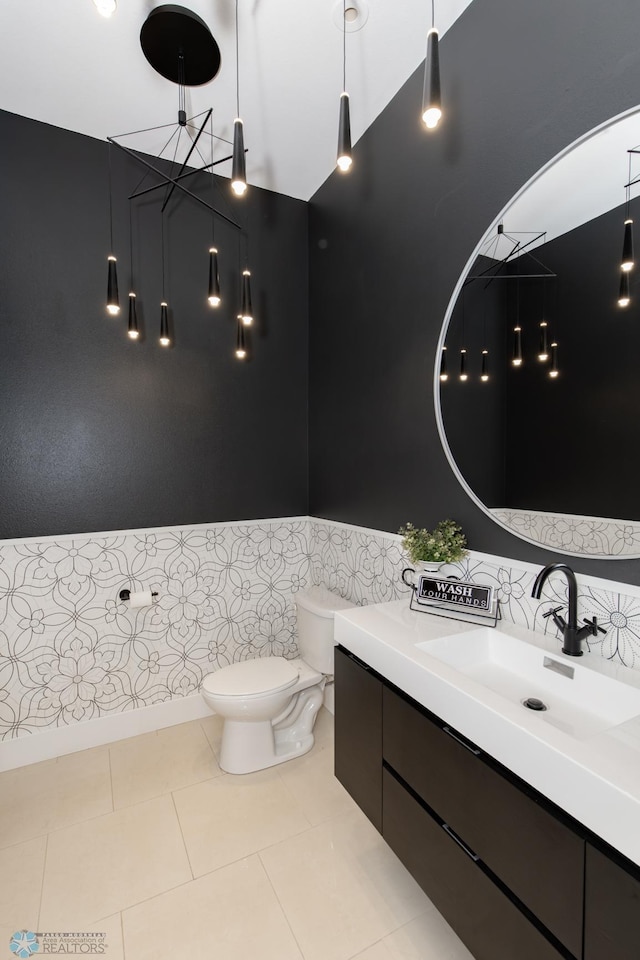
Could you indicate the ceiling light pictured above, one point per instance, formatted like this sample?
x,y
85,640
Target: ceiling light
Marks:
x,y
165,339
214,279
463,365
444,376
113,302
554,360
344,158
484,373
246,310
624,296
431,102
517,347
543,353
238,168
241,347
132,328
105,7
627,246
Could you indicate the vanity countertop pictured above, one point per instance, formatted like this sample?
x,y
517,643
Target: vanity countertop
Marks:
x,y
596,779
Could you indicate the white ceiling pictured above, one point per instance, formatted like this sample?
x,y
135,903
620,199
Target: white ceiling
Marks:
x,y
64,64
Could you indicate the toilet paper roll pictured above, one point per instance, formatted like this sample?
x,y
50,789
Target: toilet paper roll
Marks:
x,y
144,598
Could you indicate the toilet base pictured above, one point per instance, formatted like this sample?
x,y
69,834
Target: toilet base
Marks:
x,y
248,746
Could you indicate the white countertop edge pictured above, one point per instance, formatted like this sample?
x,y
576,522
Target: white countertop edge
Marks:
x,y
595,780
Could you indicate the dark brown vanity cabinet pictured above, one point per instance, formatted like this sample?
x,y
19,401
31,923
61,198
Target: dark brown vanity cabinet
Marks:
x,y
612,909
358,733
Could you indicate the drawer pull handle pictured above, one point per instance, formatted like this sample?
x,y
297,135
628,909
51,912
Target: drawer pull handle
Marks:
x,y
458,739
469,853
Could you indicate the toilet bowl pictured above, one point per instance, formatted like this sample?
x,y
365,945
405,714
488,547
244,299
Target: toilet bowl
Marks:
x,y
269,705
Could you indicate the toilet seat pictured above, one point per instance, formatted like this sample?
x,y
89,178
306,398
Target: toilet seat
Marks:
x,y
252,678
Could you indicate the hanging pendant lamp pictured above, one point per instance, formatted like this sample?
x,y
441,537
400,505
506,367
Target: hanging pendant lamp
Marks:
x,y
431,101
132,328
516,360
463,365
344,158
238,168
165,339
246,306
484,372
553,372
627,247
113,301
444,376
214,279
241,348
543,352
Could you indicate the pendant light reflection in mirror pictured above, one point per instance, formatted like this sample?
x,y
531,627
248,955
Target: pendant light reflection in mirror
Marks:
x,y
627,262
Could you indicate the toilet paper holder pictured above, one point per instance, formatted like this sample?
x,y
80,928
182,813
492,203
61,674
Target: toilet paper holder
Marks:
x,y
125,595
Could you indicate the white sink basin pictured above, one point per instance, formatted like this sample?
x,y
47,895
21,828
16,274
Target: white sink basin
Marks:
x,y
582,704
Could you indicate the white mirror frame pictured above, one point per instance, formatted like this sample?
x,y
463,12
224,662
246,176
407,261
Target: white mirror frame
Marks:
x,y
491,231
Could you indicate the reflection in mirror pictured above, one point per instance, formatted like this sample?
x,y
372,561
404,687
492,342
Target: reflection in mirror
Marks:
x,y
543,431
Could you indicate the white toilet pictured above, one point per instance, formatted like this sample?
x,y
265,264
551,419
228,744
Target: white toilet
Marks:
x,y
269,705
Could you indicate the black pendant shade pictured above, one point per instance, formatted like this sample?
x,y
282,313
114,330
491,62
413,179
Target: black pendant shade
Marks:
x,y
517,347
246,306
214,279
241,348
113,301
463,364
624,297
484,371
431,103
344,135
132,328
627,246
238,169
553,372
165,339
543,352
443,365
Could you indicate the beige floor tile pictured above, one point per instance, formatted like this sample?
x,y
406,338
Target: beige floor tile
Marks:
x,y
55,793
428,937
212,727
311,781
21,870
234,816
341,887
98,868
232,914
157,763
323,730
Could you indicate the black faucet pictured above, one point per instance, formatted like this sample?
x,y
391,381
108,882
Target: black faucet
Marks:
x,y
573,635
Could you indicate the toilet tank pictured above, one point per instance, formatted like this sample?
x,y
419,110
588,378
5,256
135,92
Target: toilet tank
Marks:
x,y
315,608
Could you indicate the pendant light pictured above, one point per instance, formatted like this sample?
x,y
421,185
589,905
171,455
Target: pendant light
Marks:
x,y
627,262
241,348
344,158
214,278
624,297
246,307
165,339
484,372
463,365
543,352
516,360
238,169
553,372
431,103
132,328
113,301
444,376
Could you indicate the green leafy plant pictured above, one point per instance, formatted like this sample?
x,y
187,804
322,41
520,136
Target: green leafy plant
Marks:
x,y
444,544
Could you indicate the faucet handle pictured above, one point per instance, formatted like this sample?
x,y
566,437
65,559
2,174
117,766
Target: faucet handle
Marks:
x,y
559,621
594,626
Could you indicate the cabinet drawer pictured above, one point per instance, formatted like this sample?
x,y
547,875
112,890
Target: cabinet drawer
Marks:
x,y
358,734
485,919
536,856
612,910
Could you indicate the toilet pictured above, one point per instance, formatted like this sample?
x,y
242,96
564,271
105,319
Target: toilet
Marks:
x,y
269,705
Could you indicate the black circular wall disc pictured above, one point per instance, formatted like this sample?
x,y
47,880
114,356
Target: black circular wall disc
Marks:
x,y
171,31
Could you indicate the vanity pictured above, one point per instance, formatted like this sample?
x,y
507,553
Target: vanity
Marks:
x,y
522,826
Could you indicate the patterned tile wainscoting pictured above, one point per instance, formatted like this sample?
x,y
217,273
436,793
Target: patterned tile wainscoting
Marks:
x,y
596,536
71,652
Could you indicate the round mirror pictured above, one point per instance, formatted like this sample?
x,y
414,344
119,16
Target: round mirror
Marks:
x,y
537,378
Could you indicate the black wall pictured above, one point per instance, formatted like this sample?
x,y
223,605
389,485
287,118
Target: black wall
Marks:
x,y
388,242
99,433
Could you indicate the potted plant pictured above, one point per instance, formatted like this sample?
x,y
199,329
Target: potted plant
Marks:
x,y
428,550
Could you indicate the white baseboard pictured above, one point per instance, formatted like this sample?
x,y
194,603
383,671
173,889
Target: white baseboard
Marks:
x,y
94,733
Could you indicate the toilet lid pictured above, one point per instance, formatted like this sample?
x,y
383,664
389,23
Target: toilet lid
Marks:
x,y
251,677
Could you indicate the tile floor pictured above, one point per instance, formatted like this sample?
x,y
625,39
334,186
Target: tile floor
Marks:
x,y
148,841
